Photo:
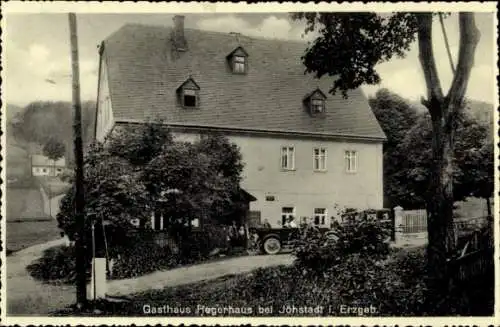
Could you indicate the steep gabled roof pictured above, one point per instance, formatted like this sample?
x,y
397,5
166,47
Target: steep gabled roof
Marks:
x,y
145,72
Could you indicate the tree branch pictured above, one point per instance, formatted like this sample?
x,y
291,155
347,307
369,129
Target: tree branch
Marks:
x,y
427,61
469,38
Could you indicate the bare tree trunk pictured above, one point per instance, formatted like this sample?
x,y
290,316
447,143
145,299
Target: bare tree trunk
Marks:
x,y
443,110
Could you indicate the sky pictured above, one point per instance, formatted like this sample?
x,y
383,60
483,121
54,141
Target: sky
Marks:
x,y
37,53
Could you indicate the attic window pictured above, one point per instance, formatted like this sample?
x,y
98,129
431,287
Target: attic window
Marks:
x,y
188,94
239,64
317,106
189,98
238,61
315,102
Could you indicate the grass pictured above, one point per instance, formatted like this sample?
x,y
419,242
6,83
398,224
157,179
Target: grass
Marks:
x,y
24,234
53,186
24,203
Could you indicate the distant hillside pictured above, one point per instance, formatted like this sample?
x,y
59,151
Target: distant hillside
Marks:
x,y
39,121
12,111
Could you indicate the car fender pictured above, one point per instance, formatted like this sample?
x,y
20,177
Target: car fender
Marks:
x,y
274,235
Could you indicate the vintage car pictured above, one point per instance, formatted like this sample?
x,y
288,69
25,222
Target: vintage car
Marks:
x,y
273,240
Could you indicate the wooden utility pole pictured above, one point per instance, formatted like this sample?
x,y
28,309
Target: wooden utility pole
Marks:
x,y
81,283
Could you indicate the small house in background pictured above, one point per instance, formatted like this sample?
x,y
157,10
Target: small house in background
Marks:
x,y
43,166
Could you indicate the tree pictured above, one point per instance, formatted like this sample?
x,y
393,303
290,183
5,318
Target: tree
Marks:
x,y
113,193
141,169
54,149
227,162
396,117
139,144
349,46
472,169
40,121
475,159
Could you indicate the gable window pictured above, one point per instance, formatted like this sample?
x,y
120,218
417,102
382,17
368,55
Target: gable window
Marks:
x,y
319,159
288,158
286,214
319,216
239,64
351,161
189,98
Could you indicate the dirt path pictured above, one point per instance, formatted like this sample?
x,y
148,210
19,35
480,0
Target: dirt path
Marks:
x,y
26,296
192,274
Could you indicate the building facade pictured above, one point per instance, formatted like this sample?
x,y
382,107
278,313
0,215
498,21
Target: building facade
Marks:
x,y
307,153
43,166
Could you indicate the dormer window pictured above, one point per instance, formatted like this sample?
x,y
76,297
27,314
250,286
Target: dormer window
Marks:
x,y
315,102
317,106
238,61
239,64
189,98
188,94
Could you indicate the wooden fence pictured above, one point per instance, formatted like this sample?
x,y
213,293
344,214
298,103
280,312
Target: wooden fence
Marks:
x,y
474,255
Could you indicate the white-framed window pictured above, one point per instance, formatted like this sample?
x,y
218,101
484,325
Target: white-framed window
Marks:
x,y
319,159
239,64
317,106
286,214
288,157
44,170
319,216
351,161
189,98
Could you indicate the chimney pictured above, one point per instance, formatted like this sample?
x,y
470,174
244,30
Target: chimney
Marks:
x,y
178,33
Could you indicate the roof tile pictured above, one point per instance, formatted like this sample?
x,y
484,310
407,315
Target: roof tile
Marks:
x,y
144,73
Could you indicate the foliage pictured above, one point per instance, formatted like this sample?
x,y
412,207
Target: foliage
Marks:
x,y
350,46
142,169
197,180
227,163
139,144
363,238
54,149
41,121
473,160
407,152
136,255
396,117
56,264
113,192
140,258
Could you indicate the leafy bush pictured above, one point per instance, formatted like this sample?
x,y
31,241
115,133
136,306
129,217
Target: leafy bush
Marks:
x,y
56,264
365,238
142,259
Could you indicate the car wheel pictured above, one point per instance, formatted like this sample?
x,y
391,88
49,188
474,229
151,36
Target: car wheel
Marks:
x,y
272,245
